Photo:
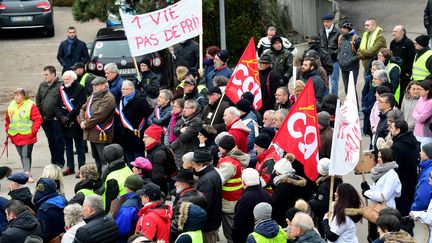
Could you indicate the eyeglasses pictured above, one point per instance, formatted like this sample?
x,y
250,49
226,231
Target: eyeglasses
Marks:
x,y
186,107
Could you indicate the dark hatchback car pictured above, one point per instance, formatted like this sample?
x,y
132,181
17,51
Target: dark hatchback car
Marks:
x,y
27,14
111,46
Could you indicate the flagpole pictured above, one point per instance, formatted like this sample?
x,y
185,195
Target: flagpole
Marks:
x,y
217,108
201,48
330,211
136,67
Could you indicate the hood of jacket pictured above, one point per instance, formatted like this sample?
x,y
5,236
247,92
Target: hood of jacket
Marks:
x,y
294,180
238,125
192,217
323,179
267,228
25,221
407,138
239,155
160,209
395,60
397,237
21,194
425,164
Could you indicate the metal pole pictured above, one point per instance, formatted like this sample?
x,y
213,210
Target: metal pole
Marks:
x,y
222,23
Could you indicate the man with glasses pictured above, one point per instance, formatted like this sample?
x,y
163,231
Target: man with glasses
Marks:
x,y
212,117
72,50
282,98
386,102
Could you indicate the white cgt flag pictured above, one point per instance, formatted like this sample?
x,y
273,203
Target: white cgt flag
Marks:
x,y
345,151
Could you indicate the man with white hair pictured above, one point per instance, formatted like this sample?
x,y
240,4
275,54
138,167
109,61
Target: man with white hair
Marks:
x,y
243,213
72,98
236,128
97,118
302,228
134,110
98,227
268,118
279,117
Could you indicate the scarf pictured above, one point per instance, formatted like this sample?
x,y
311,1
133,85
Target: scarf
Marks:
x,y
327,31
277,178
126,99
70,43
172,124
380,170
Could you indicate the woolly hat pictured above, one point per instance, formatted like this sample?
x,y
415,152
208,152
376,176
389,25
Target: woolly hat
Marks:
x,y
250,177
324,119
202,155
146,61
151,190
265,58
249,96
323,166
19,177
262,211
223,55
276,38
347,25
205,133
212,50
422,40
220,136
142,163
290,213
154,131
328,16
263,140
5,171
283,166
244,105
44,187
214,90
134,182
427,149
113,153
227,142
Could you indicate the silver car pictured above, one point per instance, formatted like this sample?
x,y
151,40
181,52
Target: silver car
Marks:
x,y
24,14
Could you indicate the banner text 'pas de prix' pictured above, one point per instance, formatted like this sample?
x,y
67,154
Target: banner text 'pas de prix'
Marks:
x,y
160,29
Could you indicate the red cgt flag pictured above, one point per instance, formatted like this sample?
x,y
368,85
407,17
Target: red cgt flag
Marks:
x,y
245,77
299,133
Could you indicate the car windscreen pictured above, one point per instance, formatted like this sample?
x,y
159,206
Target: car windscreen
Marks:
x,y
111,49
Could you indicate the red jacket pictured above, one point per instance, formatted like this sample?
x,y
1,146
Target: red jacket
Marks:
x,y
234,183
155,221
265,163
240,133
21,140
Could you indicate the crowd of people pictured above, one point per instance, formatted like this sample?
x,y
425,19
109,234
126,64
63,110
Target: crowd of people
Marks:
x,y
213,158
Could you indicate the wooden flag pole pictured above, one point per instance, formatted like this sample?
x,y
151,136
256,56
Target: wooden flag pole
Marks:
x,y
217,108
137,69
363,174
330,211
201,48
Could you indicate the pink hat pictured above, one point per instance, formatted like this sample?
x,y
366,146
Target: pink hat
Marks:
x,y
143,164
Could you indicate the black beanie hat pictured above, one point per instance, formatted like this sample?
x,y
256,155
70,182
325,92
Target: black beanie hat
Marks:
x,y
263,140
227,142
244,105
146,61
276,38
249,96
422,40
205,133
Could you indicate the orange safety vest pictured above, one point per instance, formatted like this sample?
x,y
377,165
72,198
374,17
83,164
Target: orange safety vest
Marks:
x,y
233,188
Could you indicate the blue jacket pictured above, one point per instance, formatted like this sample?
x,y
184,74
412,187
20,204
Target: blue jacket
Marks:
x,y
225,71
165,116
252,135
423,193
3,218
50,215
127,216
115,89
267,228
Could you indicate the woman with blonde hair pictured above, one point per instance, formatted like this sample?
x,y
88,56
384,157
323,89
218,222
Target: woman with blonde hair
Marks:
x,y
73,220
22,123
54,172
90,183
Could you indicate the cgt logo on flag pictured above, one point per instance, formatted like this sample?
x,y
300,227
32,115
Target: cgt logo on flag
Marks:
x,y
299,132
245,77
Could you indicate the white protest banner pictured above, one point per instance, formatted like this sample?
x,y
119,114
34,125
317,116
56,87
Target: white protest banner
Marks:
x,y
160,29
345,151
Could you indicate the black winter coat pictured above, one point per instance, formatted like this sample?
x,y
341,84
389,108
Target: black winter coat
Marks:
x,y
187,141
381,129
324,56
270,82
347,57
406,151
98,228
209,113
24,195
158,156
210,184
285,194
330,43
319,204
427,17
187,54
318,83
244,221
202,101
18,229
77,96
149,84
78,53
135,110
405,50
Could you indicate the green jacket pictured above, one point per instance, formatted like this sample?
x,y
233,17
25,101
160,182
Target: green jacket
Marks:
x,y
369,53
46,98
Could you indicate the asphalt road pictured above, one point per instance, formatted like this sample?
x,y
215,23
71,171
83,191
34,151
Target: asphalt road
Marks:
x,y
25,53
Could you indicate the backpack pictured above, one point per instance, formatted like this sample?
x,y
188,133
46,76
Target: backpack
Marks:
x,y
353,37
170,167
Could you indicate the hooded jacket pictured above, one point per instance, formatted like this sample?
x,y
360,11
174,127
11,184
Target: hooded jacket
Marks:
x,y
310,236
22,194
423,193
95,186
240,132
149,84
98,228
282,60
191,218
127,216
50,215
319,204
22,226
422,115
318,83
347,57
155,220
289,189
267,228
406,151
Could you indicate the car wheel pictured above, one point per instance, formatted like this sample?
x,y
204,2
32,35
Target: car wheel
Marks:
x,y
49,31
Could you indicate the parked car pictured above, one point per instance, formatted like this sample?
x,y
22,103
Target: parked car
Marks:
x,y
27,14
111,45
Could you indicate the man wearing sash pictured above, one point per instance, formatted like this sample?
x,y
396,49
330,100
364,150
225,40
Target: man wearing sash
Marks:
x,y
96,119
72,98
134,110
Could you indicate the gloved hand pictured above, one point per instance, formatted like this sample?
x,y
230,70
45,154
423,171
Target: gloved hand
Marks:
x,y
64,120
364,186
